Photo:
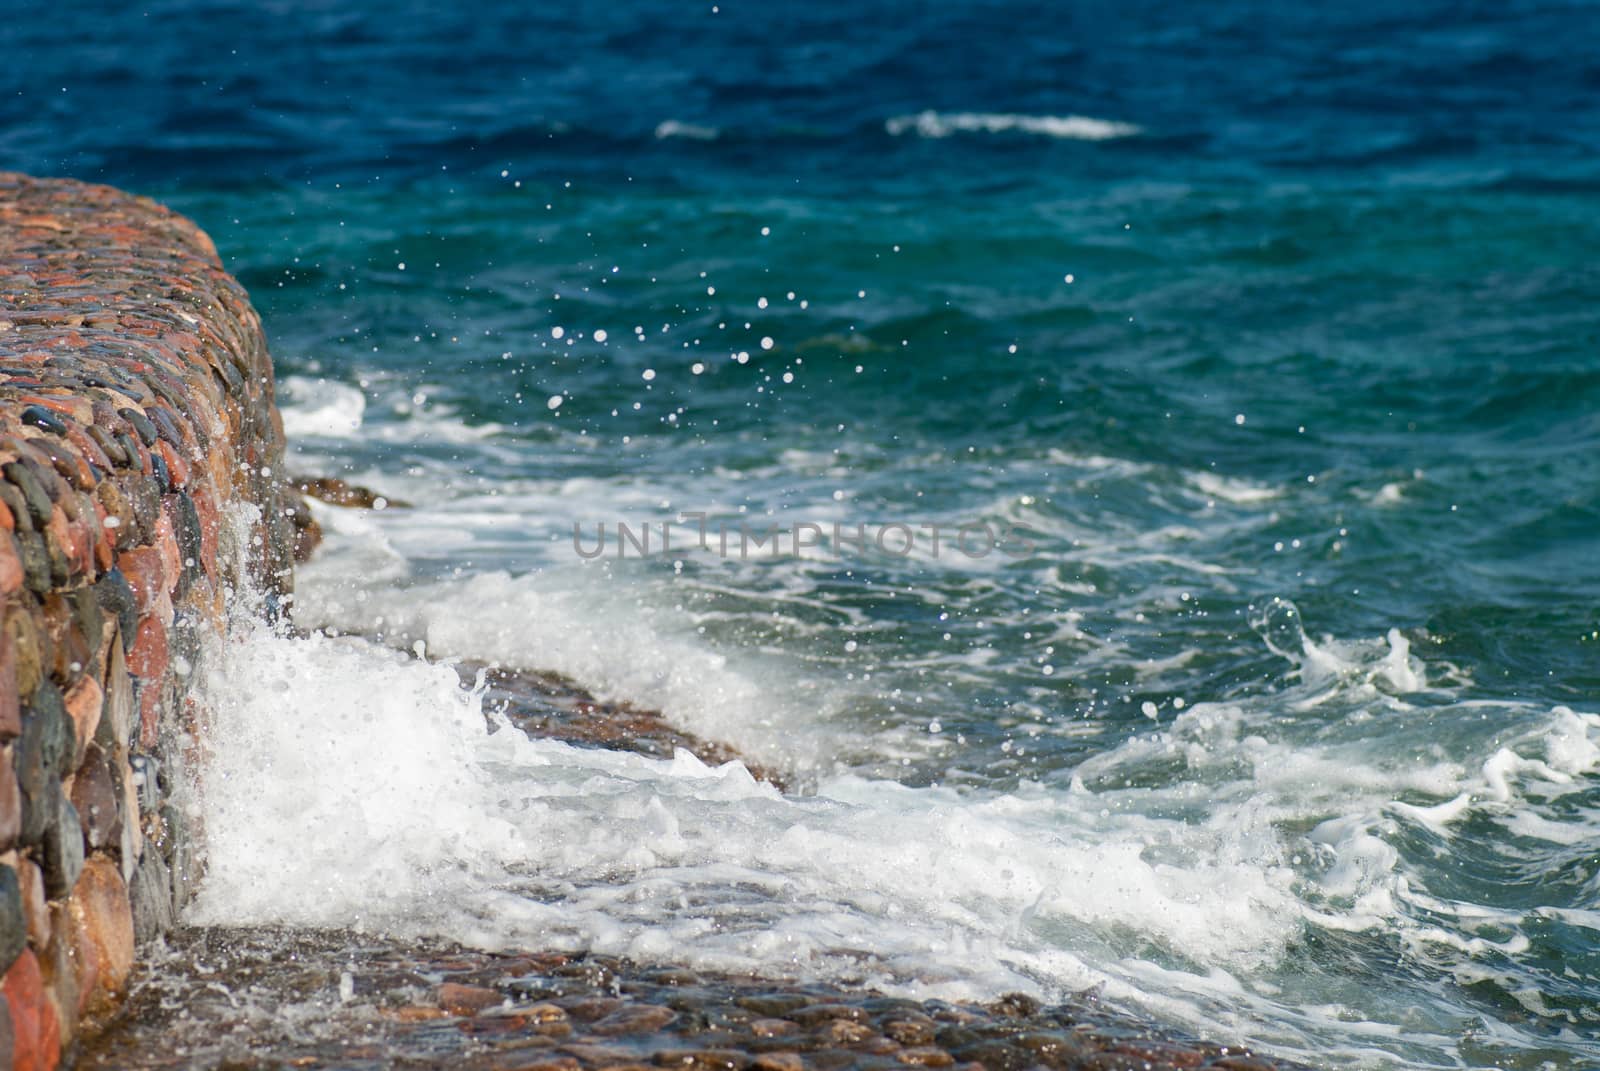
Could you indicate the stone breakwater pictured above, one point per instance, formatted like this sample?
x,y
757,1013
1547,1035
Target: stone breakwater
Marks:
x,y
136,419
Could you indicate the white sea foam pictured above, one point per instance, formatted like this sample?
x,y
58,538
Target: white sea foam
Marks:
x,y
348,785
1233,489
320,408
673,128
932,124
575,622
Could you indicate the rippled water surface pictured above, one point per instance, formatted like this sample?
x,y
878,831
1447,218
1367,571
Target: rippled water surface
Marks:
x,y
1243,361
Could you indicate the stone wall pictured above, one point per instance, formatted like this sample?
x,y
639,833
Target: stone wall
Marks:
x,y
136,417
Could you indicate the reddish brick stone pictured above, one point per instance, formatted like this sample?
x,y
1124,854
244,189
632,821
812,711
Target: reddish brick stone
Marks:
x,y
36,1033
150,708
167,544
103,934
146,573
149,655
85,700
175,464
87,446
205,507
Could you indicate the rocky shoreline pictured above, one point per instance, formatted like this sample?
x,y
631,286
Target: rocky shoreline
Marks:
x,y
260,999
263,1000
136,416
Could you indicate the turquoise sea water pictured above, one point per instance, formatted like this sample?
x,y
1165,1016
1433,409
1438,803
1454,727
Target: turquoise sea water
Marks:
x,y
1269,338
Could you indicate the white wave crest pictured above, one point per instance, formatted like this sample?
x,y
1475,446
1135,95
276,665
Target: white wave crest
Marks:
x,y
932,124
673,128
320,408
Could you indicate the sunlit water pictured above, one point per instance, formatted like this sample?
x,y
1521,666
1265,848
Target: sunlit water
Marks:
x,y
1265,343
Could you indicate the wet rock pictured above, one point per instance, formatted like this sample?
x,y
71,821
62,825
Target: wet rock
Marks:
x,y
911,1029
1051,1049
63,848
21,475
11,572
22,639
7,1036
140,424
1015,1005
10,704
842,1031
98,799
35,909
150,654
41,757
144,572
816,1014
117,599
1159,1053
103,933
588,1009
151,898
467,999
598,1055
35,556
773,1028
130,838
337,492
10,801
778,1061
13,918
84,702
994,1055
36,1033
635,1019
703,1060
709,1024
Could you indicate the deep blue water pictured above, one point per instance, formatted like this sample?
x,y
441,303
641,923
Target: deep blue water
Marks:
x,y
1303,448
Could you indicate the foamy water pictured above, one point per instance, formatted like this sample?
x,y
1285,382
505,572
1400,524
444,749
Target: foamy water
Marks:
x,y
1187,865
932,124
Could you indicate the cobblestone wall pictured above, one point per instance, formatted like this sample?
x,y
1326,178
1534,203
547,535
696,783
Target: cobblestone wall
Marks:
x,y
136,411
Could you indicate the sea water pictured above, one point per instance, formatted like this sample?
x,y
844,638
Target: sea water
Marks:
x,y
1241,361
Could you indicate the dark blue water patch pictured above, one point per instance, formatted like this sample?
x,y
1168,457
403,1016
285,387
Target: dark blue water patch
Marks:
x,y
304,90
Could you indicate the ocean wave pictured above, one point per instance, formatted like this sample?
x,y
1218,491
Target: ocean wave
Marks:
x,y
932,124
